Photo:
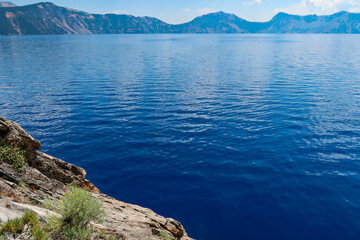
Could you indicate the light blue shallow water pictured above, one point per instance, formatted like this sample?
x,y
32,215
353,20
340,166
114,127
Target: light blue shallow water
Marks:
x,y
235,136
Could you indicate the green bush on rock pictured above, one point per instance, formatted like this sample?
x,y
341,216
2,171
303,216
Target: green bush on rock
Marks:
x,y
77,208
13,226
16,226
77,232
163,235
13,155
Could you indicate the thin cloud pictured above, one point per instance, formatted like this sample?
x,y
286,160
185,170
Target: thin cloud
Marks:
x,y
253,2
118,12
326,4
186,9
204,11
354,9
318,6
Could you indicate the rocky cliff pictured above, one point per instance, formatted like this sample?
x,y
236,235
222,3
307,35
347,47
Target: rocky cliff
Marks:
x,y
46,178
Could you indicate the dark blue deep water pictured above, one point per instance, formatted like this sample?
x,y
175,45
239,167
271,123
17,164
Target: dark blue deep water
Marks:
x,y
235,136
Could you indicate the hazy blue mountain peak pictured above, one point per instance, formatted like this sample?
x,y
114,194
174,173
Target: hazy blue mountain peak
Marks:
x,y
282,15
7,4
341,13
219,14
47,4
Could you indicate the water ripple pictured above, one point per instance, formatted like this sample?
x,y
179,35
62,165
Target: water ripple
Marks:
x,y
236,136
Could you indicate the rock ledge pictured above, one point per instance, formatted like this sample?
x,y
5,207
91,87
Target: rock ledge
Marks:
x,y
47,178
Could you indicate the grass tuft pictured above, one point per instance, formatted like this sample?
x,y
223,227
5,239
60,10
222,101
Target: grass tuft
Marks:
x,y
16,226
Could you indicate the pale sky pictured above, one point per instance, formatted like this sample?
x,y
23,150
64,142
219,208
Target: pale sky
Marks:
x,y
180,11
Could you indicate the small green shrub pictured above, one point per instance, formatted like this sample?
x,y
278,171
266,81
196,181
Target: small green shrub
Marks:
x,y
78,232
39,233
101,235
16,226
164,236
53,224
13,155
77,208
30,217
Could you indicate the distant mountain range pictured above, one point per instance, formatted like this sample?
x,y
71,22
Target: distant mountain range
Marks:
x,y
48,18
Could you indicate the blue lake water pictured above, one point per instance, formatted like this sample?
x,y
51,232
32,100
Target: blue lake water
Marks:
x,y
235,136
